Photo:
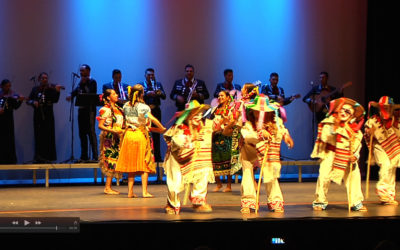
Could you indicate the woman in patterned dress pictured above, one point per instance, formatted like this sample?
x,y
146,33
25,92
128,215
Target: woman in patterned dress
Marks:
x,y
111,120
222,143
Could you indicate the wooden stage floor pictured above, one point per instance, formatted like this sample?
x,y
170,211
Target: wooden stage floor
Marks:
x,y
100,213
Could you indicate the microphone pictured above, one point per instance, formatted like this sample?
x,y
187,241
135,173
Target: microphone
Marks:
x,y
32,78
76,75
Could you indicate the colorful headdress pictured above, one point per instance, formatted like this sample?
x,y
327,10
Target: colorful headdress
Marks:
x,y
263,104
384,101
193,108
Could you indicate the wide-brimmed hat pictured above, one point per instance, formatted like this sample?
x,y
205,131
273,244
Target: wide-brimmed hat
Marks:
x,y
263,104
192,108
336,104
384,101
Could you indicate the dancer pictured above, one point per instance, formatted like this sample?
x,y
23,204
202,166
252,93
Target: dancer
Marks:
x,y
384,127
263,134
188,159
222,143
338,145
111,121
135,156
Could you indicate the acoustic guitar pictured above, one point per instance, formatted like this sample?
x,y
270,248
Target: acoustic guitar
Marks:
x,y
321,100
281,100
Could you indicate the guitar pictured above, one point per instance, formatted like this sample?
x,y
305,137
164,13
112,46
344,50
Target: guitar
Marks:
x,y
281,100
321,100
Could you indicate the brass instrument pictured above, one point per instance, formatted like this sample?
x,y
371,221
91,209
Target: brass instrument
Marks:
x,y
192,89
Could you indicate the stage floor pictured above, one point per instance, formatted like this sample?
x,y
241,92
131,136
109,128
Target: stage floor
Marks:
x,y
118,222
90,204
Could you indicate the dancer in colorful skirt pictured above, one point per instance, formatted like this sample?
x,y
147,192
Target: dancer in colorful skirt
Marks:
x,y
262,134
188,159
338,145
222,143
135,156
384,129
111,121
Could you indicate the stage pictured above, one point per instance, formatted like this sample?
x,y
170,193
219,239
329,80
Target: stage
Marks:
x,y
105,218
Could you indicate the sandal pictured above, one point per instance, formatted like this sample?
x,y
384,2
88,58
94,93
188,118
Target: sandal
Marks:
x,y
171,210
245,210
392,202
205,208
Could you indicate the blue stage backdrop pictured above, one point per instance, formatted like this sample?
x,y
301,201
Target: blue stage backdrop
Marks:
x,y
296,39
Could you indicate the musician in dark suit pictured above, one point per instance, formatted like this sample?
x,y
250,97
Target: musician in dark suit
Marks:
x,y
153,94
86,113
274,92
9,101
42,98
118,86
227,84
322,87
188,89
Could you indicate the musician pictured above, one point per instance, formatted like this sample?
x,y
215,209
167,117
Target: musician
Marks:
x,y
188,89
86,113
9,100
227,84
42,98
153,93
276,93
322,87
120,88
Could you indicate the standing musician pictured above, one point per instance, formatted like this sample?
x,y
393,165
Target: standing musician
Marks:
x,y
120,88
153,93
42,98
86,113
227,85
9,100
277,93
320,106
188,89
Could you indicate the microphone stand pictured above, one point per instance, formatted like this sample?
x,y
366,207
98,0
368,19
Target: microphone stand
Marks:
x,y
71,119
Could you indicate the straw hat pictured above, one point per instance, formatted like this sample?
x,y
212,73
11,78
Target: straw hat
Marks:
x,y
336,104
384,101
263,104
193,108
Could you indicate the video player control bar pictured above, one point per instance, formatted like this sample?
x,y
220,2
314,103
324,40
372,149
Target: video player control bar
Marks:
x,y
39,225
